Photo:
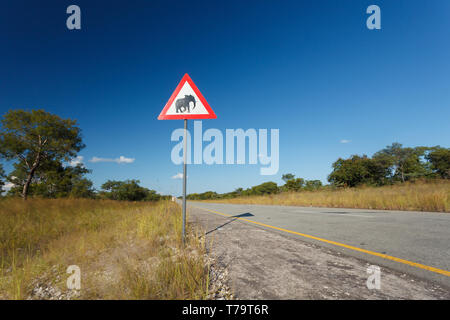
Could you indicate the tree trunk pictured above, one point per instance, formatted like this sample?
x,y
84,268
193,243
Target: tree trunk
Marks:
x,y
28,182
400,167
25,187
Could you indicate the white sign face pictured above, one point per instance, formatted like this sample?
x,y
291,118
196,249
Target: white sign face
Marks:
x,y
186,102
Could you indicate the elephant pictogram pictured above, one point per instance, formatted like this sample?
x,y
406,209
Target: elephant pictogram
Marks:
x,y
182,104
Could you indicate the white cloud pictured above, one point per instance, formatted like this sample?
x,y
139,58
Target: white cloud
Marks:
x,y
345,141
178,176
121,159
7,186
78,160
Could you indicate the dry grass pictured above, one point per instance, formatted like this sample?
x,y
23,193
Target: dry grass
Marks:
x,y
125,250
419,196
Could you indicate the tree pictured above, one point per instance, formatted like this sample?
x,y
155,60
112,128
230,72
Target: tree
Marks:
x,y
287,176
203,196
351,172
53,180
128,190
153,196
311,185
439,159
33,137
294,184
406,162
238,191
264,188
2,176
82,188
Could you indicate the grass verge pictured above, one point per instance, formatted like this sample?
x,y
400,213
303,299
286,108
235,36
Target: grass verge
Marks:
x,y
124,250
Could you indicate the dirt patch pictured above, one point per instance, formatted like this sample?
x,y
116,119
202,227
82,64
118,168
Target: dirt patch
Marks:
x,y
263,264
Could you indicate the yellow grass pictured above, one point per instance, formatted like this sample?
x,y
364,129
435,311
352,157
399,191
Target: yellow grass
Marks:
x,y
124,250
419,196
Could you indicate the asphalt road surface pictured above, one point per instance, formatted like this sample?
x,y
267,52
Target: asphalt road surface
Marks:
x,y
415,243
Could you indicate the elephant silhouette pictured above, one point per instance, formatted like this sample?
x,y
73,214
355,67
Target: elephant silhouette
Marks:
x,y
182,104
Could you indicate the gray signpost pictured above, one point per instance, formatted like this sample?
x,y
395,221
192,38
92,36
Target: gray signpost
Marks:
x,y
184,179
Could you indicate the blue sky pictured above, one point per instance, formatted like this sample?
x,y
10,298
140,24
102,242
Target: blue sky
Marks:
x,y
311,69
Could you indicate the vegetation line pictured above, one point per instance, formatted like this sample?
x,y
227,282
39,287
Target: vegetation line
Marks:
x,y
394,178
418,196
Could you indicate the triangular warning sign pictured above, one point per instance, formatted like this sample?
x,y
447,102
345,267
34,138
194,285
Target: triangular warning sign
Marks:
x,y
187,102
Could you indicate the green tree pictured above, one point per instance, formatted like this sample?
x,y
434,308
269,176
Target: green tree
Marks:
x,y
287,176
406,162
128,190
294,184
33,137
350,172
53,180
82,188
203,196
238,191
265,188
439,159
311,185
153,196
380,170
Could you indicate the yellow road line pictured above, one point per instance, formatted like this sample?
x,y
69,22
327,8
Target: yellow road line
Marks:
x,y
381,255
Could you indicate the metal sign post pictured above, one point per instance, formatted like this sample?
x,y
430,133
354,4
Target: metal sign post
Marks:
x,y
186,102
184,179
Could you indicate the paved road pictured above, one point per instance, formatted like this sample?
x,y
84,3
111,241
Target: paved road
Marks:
x,y
419,237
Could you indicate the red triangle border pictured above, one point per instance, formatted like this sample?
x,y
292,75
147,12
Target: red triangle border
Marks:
x,y
164,116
